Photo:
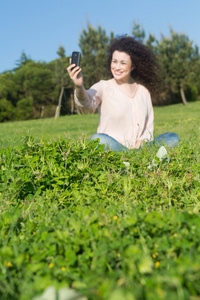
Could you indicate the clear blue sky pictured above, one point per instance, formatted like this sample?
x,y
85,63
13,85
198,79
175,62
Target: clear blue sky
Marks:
x,y
39,27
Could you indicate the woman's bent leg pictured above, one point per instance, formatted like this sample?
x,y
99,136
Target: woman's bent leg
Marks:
x,y
109,142
168,139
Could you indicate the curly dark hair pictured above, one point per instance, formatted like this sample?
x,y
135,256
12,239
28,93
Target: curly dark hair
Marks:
x,y
142,57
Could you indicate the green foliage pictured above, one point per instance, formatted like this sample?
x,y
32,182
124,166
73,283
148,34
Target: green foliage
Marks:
x,y
191,92
93,43
36,83
177,49
179,59
138,31
22,60
74,216
24,108
31,81
7,112
61,77
9,87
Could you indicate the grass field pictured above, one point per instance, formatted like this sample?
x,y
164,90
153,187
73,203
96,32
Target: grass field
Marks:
x,y
175,118
77,219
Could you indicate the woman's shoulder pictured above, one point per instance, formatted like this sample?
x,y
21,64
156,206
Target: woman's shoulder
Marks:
x,y
143,89
105,83
101,84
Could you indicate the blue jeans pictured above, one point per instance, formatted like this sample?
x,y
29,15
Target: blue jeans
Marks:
x,y
168,139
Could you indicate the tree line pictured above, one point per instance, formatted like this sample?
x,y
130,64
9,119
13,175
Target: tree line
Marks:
x,y
32,89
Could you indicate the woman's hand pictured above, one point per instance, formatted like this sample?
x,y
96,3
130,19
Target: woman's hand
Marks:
x,y
75,74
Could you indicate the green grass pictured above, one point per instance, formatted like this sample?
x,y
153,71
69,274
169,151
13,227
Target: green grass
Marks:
x,y
184,120
75,126
72,216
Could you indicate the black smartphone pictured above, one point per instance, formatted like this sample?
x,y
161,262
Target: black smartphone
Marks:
x,y
76,58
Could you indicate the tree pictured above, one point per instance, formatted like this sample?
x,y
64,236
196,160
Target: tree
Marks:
x,y
151,41
61,77
138,31
36,83
27,90
24,59
180,64
24,109
94,44
9,87
7,111
180,61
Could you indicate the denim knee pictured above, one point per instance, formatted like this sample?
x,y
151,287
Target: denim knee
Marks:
x,y
101,136
109,142
169,139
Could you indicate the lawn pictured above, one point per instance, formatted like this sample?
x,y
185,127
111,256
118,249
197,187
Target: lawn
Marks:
x,y
178,118
108,226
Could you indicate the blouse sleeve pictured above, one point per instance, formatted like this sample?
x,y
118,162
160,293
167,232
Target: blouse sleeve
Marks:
x,y
147,133
93,98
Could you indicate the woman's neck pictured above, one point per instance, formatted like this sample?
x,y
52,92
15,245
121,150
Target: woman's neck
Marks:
x,y
128,88
124,82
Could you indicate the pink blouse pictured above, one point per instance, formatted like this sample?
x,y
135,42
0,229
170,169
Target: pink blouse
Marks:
x,y
129,120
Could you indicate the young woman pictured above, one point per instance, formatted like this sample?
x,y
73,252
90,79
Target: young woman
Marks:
x,y
126,116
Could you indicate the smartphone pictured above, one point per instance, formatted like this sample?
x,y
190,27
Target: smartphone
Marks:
x,y
76,58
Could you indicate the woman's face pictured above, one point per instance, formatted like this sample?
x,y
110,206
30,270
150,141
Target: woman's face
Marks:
x,y
121,66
